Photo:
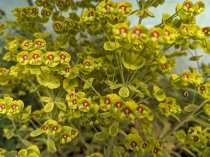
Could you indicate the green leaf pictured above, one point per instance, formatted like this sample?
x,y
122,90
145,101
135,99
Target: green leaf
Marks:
x,y
101,136
45,99
114,128
105,115
159,94
88,83
27,112
110,46
149,13
138,12
61,106
36,132
124,92
195,58
133,61
26,143
133,88
48,80
190,108
116,86
118,151
23,153
49,107
51,146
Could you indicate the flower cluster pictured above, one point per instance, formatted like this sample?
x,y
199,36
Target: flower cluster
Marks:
x,y
52,128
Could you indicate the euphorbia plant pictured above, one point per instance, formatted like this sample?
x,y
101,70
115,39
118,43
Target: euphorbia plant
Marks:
x,y
98,87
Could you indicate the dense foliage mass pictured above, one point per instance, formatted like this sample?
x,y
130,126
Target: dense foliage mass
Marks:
x,y
98,87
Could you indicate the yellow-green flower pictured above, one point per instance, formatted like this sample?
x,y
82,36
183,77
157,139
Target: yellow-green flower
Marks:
x,y
51,59
22,57
40,44
138,34
199,7
68,134
13,107
89,16
188,6
51,127
3,109
27,45
58,26
169,106
13,46
65,57
35,57
120,30
124,8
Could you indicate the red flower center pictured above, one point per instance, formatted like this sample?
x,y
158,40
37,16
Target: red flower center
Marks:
x,y
206,30
144,145
167,32
122,30
107,101
155,150
185,75
137,31
57,25
26,44
85,104
65,136
87,63
108,6
35,56
127,111
164,66
140,109
39,43
45,128
90,13
74,102
62,56
73,132
202,88
155,34
50,57
2,106
188,5
67,69
25,57
123,7
133,144
184,28
118,104
14,106
55,128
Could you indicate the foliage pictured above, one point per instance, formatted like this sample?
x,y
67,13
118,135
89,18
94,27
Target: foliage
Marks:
x,y
98,87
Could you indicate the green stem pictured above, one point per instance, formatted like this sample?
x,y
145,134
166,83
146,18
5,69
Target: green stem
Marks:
x,y
187,118
83,79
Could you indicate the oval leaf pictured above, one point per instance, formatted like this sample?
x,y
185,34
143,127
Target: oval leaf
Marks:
x,y
190,108
51,146
36,132
109,46
49,107
124,92
114,128
101,136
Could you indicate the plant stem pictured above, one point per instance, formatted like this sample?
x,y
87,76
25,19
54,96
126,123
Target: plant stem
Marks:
x,y
187,118
83,79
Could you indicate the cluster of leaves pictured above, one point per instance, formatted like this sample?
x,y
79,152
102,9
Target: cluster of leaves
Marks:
x,y
100,86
